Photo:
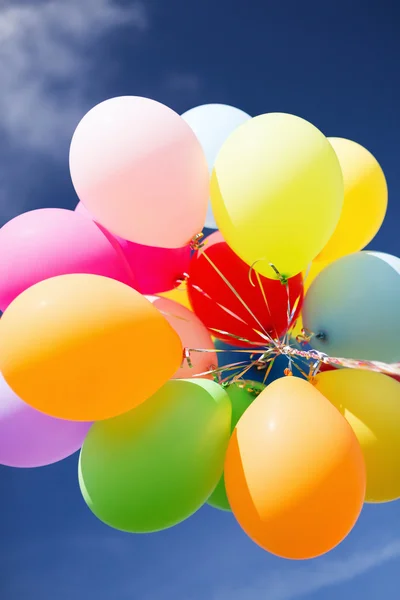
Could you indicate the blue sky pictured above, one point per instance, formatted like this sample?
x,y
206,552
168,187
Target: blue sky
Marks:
x,y
334,63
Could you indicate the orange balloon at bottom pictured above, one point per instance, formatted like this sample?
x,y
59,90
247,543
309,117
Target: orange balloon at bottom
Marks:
x,y
294,471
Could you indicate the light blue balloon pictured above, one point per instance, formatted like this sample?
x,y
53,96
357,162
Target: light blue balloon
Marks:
x,y
212,125
353,307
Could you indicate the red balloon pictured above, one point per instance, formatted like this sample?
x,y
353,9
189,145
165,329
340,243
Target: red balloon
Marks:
x,y
325,367
220,308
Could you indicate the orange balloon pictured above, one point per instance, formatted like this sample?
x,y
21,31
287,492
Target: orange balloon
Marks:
x,y
294,471
82,347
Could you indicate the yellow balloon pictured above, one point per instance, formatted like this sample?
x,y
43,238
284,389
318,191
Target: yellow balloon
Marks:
x,y
179,295
277,193
371,404
365,200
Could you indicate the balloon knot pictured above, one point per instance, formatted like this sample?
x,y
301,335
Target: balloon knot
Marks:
x,y
282,278
321,335
186,358
196,242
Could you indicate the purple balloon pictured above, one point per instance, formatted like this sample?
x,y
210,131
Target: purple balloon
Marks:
x,y
29,438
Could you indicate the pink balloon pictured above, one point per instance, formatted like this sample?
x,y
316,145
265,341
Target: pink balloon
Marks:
x,y
48,242
140,171
152,270
193,334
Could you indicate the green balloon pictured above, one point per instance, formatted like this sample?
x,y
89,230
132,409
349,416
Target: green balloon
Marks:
x,y
241,396
156,465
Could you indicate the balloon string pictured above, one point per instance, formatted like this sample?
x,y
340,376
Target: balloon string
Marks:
x,y
169,314
279,276
231,350
277,347
233,290
236,337
313,356
232,314
351,363
227,310
218,370
264,295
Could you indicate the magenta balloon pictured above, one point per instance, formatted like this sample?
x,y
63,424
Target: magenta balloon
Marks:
x,y
29,438
153,270
48,242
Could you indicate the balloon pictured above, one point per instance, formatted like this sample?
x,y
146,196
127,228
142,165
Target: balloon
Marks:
x,y
140,171
29,438
294,471
241,395
81,347
156,465
277,193
352,307
371,404
152,270
178,295
192,333
48,242
281,362
212,125
248,310
365,200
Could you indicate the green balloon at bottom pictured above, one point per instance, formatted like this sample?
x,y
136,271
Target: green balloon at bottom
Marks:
x,y
241,396
156,465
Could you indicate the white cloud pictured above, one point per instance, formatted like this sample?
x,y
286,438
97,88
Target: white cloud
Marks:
x,y
311,577
46,62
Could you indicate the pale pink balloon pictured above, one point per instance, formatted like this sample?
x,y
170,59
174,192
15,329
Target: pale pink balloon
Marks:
x,y
193,334
152,270
140,171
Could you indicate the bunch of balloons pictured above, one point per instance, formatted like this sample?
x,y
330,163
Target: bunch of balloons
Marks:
x,y
256,370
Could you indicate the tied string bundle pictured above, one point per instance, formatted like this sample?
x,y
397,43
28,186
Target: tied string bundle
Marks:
x,y
306,362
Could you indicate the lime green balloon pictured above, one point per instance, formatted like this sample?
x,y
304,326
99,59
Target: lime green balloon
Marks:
x,y
277,193
241,396
156,465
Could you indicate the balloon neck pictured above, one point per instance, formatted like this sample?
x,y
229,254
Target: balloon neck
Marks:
x,y
280,277
322,336
196,243
186,358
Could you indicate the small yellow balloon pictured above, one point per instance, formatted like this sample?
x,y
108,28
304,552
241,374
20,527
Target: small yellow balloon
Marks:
x,y
371,404
179,295
277,193
365,200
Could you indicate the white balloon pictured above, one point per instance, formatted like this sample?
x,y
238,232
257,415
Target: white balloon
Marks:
x,y
212,125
